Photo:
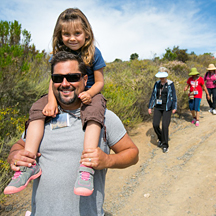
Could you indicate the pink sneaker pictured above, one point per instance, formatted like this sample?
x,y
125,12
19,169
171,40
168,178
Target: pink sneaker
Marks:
x,y
84,185
21,178
193,121
28,213
197,124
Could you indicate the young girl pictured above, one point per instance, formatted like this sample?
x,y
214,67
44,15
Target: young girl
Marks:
x,y
72,33
196,85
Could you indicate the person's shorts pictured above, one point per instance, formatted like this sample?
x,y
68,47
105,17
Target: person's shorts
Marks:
x,y
93,111
194,104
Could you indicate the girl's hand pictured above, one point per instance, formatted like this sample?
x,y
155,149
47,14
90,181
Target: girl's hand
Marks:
x,y
149,111
208,96
50,110
173,111
85,97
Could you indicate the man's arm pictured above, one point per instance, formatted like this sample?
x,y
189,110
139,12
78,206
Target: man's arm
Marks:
x,y
20,156
126,154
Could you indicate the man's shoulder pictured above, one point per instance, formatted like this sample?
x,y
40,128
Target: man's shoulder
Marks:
x,y
110,114
111,118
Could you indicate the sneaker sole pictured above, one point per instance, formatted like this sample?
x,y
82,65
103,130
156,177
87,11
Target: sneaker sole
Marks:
x,y
83,191
166,151
12,189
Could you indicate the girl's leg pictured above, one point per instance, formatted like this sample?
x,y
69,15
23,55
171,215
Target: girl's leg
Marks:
x,y
21,178
34,135
92,134
92,117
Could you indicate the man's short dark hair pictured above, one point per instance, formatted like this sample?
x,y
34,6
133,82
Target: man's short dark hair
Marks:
x,y
63,56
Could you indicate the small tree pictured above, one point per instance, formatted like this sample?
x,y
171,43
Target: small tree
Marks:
x,y
169,55
176,54
117,60
134,56
17,67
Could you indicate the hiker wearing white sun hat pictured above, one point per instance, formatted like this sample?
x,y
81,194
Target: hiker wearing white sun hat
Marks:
x,y
162,73
210,78
164,102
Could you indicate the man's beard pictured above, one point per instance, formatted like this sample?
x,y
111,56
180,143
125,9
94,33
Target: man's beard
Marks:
x,y
62,100
67,102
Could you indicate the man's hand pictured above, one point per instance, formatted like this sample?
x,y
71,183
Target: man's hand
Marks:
x,y
125,155
21,158
94,158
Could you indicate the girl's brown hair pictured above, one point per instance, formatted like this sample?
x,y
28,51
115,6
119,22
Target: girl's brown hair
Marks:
x,y
75,17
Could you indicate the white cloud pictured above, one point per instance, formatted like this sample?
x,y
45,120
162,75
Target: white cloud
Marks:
x,y
122,29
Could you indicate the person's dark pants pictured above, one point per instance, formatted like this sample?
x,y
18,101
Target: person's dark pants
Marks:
x,y
163,135
212,102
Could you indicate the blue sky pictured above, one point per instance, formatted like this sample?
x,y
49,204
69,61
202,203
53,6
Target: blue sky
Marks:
x,y
123,27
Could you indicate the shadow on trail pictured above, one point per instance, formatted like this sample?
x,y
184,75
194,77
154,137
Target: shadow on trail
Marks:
x,y
108,214
153,137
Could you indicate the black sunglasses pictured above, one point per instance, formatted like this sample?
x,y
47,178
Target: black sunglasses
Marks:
x,y
58,78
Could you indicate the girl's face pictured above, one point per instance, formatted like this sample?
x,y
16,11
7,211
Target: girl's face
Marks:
x,y
73,36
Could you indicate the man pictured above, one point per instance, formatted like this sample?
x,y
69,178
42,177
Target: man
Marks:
x,y
62,146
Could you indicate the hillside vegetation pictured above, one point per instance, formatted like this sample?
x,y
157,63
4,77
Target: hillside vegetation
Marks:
x,y
25,74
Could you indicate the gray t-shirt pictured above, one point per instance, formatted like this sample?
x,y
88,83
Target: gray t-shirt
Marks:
x,y
61,150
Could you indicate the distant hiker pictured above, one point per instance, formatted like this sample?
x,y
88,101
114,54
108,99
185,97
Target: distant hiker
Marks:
x,y
62,147
196,84
210,78
72,33
164,101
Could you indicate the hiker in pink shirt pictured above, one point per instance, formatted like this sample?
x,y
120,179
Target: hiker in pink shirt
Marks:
x,y
210,78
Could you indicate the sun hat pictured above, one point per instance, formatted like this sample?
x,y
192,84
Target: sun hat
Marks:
x,y
193,72
162,73
211,67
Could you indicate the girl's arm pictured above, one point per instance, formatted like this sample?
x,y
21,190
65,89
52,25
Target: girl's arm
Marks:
x,y
51,109
95,89
99,83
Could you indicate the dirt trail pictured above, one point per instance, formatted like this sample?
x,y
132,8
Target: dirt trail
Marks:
x,y
181,182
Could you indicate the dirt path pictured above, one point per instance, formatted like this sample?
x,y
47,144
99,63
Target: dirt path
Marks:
x,y
181,182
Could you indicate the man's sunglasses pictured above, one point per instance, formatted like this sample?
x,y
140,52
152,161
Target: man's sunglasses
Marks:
x,y
58,78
